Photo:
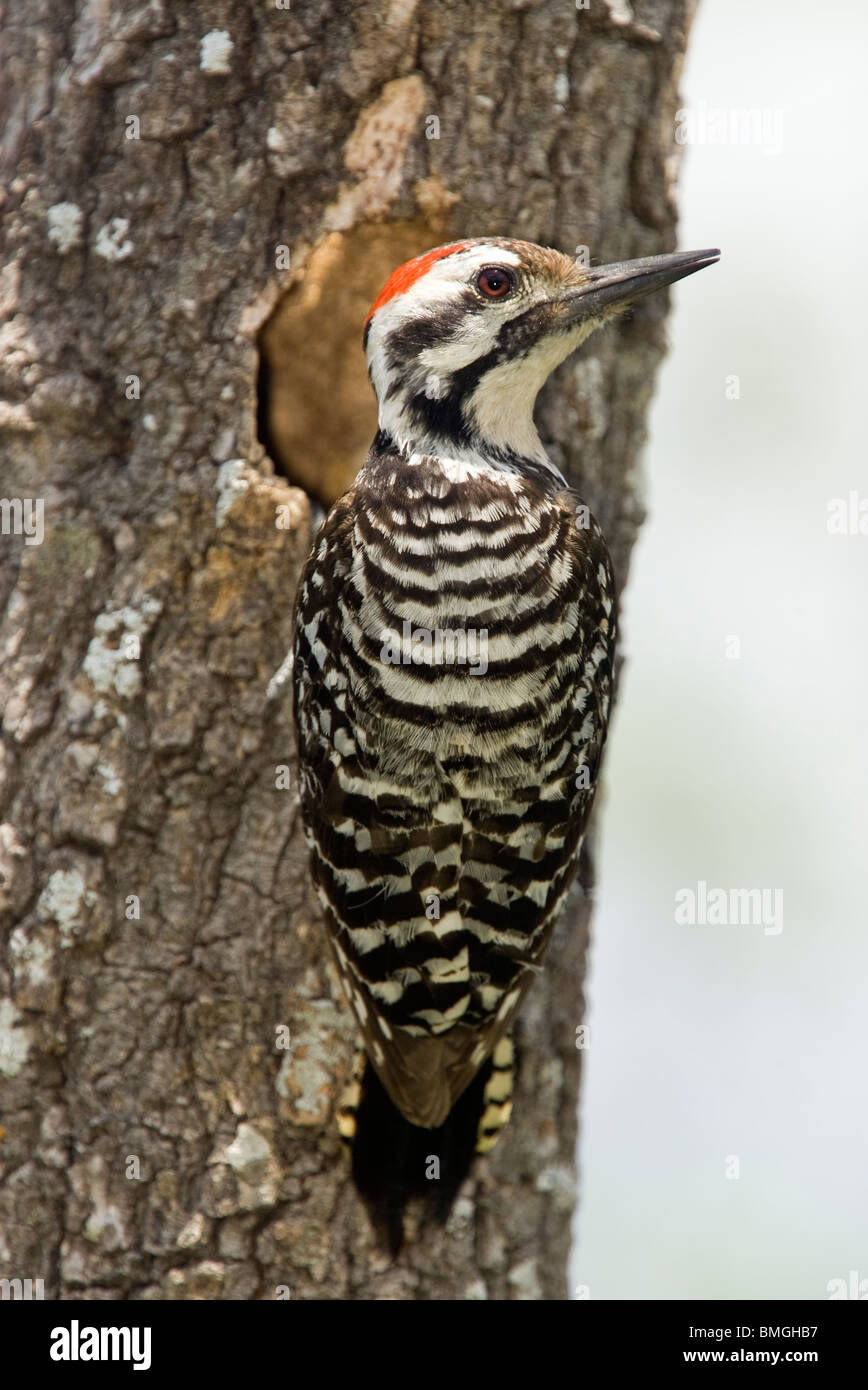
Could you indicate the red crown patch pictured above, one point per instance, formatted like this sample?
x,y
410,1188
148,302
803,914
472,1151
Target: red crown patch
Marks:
x,y
400,281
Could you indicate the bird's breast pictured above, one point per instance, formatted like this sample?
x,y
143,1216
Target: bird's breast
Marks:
x,y
463,612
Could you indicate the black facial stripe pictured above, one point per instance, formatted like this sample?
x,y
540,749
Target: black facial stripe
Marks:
x,y
439,416
404,344
518,335
515,336
444,416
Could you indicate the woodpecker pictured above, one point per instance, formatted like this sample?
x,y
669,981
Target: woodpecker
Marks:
x,y
453,659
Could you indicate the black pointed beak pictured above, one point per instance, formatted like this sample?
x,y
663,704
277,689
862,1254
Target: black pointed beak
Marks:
x,y
610,288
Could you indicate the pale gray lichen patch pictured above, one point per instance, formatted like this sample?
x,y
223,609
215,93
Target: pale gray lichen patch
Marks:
x,y
66,900
31,958
250,1157
112,782
461,1216
524,1278
64,226
247,1152
215,49
62,899
112,242
14,1039
13,860
306,1079
231,485
107,664
558,1180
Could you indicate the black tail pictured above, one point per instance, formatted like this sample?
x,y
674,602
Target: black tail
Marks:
x,y
394,1161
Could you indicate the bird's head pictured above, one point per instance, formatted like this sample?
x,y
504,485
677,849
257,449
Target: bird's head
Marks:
x,y
460,340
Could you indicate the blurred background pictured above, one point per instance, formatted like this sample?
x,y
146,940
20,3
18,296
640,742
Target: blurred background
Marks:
x,y
724,1125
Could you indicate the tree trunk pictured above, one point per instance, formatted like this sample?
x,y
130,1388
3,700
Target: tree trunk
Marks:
x,y
188,186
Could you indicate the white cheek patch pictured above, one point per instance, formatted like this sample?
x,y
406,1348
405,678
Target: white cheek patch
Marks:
x,y
477,338
501,407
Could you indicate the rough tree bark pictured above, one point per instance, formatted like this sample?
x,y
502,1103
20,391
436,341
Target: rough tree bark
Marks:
x,y
187,184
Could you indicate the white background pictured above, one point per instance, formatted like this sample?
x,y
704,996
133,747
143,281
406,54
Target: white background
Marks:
x,y
709,1041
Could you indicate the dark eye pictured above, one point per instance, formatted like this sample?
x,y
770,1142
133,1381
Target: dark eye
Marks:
x,y
494,282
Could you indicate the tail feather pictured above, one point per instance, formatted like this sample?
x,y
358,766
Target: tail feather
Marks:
x,y
497,1097
395,1162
